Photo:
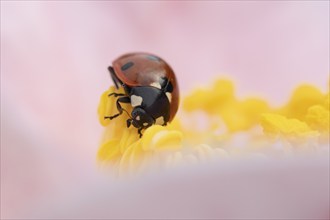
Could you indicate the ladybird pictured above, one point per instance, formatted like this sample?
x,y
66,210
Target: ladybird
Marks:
x,y
150,87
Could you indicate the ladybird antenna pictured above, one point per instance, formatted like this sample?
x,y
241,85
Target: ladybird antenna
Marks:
x,y
128,114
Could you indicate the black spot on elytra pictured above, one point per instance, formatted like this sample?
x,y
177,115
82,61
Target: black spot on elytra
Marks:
x,y
127,66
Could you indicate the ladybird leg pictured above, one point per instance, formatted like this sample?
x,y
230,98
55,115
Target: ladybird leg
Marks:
x,y
120,109
114,78
139,131
116,94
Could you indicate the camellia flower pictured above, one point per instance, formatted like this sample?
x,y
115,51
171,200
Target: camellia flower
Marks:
x,y
214,124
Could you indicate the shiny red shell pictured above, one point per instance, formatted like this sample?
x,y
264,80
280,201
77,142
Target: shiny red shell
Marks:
x,y
144,69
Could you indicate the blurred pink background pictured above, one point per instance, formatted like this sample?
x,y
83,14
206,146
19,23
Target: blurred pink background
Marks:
x,y
54,58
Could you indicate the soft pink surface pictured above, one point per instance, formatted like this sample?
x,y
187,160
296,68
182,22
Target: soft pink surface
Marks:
x,y
54,57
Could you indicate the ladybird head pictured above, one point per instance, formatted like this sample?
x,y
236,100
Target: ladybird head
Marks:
x,y
140,118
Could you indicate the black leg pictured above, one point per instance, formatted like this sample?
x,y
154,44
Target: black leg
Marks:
x,y
116,94
139,131
120,109
114,78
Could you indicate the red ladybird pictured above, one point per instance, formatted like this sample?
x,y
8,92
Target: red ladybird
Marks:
x,y
150,87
